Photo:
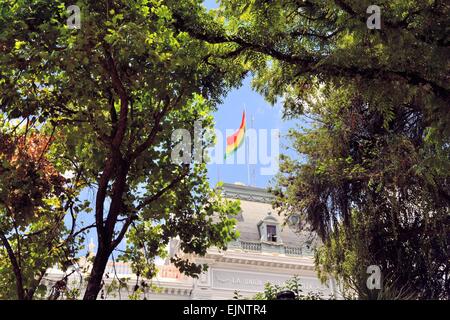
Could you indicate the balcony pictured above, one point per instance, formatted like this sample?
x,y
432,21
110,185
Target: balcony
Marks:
x,y
250,246
293,251
268,247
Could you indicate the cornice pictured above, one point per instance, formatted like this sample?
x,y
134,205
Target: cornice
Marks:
x,y
248,193
263,260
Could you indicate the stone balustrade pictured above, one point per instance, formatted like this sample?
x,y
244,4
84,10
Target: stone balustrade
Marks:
x,y
268,247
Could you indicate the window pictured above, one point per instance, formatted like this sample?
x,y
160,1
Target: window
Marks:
x,y
269,230
272,233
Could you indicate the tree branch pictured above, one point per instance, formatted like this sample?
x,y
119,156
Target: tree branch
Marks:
x,y
118,86
168,104
133,216
15,265
307,62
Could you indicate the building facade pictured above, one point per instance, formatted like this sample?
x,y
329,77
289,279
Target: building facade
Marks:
x,y
266,251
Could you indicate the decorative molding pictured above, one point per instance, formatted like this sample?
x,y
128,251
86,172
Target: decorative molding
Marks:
x,y
253,281
174,291
234,191
271,247
285,262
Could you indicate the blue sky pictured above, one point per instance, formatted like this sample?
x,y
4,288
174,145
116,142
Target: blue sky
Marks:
x,y
228,116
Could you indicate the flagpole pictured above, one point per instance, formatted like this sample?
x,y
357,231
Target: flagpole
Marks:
x,y
247,150
252,173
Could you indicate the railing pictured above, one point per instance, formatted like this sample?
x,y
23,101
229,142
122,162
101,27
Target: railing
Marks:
x,y
251,246
257,247
293,251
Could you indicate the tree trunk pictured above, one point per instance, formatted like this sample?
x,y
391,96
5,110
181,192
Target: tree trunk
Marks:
x,y
105,230
95,279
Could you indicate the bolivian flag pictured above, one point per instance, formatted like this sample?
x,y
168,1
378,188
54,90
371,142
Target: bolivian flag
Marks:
x,y
235,140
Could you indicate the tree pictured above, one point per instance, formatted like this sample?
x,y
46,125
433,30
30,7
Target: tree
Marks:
x,y
373,177
34,198
115,90
375,194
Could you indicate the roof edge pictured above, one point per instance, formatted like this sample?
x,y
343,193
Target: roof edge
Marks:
x,y
248,193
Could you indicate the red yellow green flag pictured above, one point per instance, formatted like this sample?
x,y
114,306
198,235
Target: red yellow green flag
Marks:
x,y
235,140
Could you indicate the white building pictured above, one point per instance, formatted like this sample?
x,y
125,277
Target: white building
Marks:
x,y
266,251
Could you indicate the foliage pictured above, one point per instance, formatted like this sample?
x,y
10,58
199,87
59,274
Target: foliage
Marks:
x,y
373,177
372,172
294,284
376,194
113,92
34,198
